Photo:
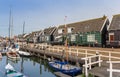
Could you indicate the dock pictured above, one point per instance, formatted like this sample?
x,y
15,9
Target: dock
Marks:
x,y
102,71
48,54
61,74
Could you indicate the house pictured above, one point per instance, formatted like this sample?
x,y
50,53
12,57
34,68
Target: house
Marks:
x,y
90,32
114,32
47,35
33,37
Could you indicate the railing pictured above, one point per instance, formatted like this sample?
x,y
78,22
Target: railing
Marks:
x,y
80,52
89,63
111,70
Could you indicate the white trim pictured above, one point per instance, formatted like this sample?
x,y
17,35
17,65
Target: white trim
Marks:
x,y
109,25
103,24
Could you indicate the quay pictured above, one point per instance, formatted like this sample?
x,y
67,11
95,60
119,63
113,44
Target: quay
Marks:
x,y
76,55
45,54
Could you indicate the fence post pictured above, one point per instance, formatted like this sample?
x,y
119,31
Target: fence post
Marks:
x,y
49,48
109,56
70,51
99,60
58,50
53,49
110,69
86,70
77,52
89,63
85,53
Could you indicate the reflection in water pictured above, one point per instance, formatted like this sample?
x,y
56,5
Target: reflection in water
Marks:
x,y
32,67
40,67
22,68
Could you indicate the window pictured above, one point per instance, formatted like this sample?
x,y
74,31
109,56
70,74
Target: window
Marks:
x,y
111,37
91,38
70,30
73,37
60,31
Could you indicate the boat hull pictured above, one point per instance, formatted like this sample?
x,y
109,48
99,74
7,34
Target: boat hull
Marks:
x,y
24,54
13,55
71,71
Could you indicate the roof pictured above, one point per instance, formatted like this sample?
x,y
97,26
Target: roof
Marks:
x,y
49,31
115,24
31,35
86,26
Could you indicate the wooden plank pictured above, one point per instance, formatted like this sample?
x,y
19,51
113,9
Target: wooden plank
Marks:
x,y
102,71
61,74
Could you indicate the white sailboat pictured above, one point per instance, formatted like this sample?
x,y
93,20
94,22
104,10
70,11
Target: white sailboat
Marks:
x,y
11,72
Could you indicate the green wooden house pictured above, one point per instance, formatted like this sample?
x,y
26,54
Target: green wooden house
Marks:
x,y
47,35
90,32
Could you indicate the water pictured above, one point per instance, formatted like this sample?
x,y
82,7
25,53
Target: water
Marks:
x,y
32,67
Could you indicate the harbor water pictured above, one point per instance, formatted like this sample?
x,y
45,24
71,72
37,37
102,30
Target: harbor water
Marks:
x,y
31,67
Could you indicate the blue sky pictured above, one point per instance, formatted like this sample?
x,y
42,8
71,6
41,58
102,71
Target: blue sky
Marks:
x,y
40,14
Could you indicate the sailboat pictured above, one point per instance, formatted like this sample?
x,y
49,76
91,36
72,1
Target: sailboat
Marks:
x,y
23,53
11,72
11,54
65,67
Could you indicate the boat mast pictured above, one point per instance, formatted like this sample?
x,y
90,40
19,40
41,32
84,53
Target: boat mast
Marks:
x,y
23,32
66,41
23,27
10,25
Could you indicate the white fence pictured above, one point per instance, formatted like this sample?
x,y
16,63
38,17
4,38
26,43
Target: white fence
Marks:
x,y
108,55
89,63
111,69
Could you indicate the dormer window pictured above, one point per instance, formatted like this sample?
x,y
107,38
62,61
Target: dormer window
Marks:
x,y
70,30
60,31
63,31
44,32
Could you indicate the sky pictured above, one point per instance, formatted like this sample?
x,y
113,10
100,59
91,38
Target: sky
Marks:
x,y
41,14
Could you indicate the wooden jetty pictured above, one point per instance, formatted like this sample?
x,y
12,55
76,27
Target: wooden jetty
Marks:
x,y
102,71
61,74
48,54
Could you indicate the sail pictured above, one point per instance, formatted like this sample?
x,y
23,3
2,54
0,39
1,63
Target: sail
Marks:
x,y
9,67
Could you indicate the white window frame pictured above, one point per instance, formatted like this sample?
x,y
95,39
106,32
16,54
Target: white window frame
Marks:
x,y
91,38
73,37
60,31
